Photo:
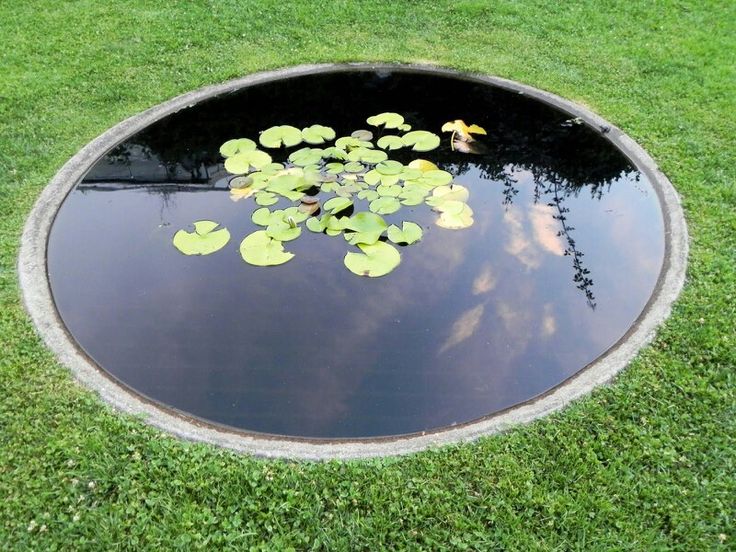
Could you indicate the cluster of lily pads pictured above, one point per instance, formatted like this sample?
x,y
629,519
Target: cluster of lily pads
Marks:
x,y
351,167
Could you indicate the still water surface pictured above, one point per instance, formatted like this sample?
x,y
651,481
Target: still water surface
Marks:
x,y
473,321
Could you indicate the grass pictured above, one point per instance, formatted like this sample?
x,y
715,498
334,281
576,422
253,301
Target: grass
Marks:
x,y
648,463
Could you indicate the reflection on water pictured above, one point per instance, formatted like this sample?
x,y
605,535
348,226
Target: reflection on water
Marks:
x,y
563,256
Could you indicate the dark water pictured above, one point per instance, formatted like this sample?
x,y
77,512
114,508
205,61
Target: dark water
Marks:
x,y
471,322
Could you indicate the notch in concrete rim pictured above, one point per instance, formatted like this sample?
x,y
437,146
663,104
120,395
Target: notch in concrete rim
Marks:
x,y
39,303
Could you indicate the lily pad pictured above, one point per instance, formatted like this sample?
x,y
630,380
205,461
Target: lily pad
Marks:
x,y
353,167
421,140
241,162
260,249
423,165
436,178
309,208
368,195
240,182
456,192
264,216
390,142
362,134
204,240
367,155
387,120
317,134
389,190
231,147
409,233
337,204
236,194
349,143
283,231
456,221
410,175
318,225
334,168
390,167
377,259
385,205
373,177
334,153
364,227
306,156
266,198
462,131
272,169
406,127
276,136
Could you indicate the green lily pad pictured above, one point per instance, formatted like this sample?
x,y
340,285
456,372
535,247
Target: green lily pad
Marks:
x,y
377,259
412,198
390,142
293,213
423,165
335,225
283,231
373,177
410,175
355,238
272,169
404,128
291,186
370,195
456,221
362,134
436,178
390,167
337,204
353,167
448,193
334,153
389,190
203,241
367,155
409,233
241,162
421,140
387,120
260,249
231,147
317,134
385,205
264,216
276,136
349,143
240,182
318,225
306,156
266,198
366,222
334,168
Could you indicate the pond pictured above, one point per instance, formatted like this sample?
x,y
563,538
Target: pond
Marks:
x,y
557,257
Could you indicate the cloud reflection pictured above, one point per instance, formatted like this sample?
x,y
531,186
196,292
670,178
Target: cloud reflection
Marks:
x,y
464,327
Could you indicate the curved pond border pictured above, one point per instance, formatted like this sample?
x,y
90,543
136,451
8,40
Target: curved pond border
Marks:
x,y
39,303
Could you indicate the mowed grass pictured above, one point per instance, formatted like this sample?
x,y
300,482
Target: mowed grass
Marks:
x,y
648,463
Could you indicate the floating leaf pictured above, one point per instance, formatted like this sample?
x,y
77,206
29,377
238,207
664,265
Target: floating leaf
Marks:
x,y
409,233
377,259
335,225
365,222
318,225
412,195
317,134
242,161
456,221
389,190
334,168
388,120
236,194
272,169
461,131
203,241
334,153
353,167
309,207
354,238
404,128
337,204
451,207
409,174
390,142
260,249
373,177
293,213
385,205
291,186
448,193
390,167
264,216
240,182
231,147
423,165
368,195
276,136
283,231
367,155
421,140
306,156
349,143
361,134
436,178
266,198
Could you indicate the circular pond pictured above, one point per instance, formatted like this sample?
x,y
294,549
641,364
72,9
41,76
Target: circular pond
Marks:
x,y
248,261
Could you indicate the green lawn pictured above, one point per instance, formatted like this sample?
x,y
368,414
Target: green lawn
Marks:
x,y
648,463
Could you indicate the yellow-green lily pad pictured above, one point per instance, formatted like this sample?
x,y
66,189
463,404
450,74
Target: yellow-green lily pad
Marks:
x,y
456,221
387,120
283,231
362,134
241,162
409,233
421,140
390,142
369,195
231,147
334,153
388,190
317,134
260,249
266,198
390,168
306,156
349,143
353,167
203,241
385,205
337,204
279,135
377,259
367,155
